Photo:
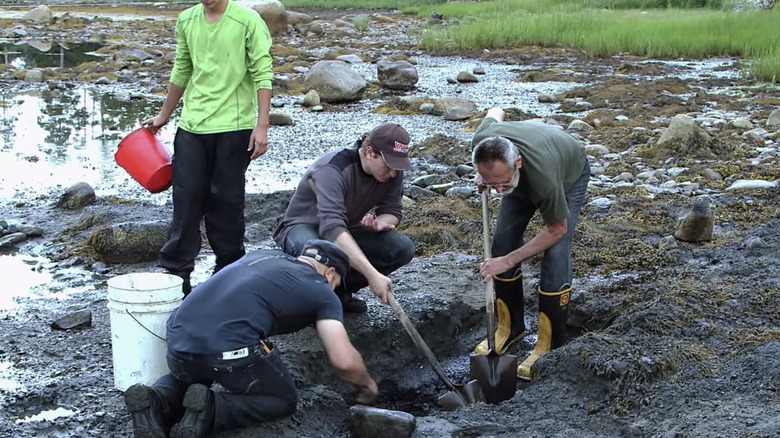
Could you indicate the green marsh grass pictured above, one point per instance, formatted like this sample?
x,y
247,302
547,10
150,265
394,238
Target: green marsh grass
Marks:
x,y
658,33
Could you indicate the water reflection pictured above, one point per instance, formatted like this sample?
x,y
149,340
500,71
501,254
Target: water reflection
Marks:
x,y
56,138
26,278
41,54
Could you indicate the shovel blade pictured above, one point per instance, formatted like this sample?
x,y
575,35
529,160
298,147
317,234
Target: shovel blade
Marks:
x,y
461,396
496,374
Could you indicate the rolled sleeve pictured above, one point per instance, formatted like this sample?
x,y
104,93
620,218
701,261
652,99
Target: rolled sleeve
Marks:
x,y
260,63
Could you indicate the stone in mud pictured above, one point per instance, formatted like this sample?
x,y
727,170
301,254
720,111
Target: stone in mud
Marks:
x,y
280,119
466,77
10,240
311,99
80,319
129,242
774,118
696,223
77,196
368,422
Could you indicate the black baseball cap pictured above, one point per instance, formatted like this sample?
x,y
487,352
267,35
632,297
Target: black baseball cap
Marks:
x,y
329,255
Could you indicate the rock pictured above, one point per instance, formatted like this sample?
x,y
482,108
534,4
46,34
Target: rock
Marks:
x,y
579,126
417,192
30,230
427,108
453,108
102,81
697,222
294,18
272,11
602,203
547,98
12,239
441,188
350,59
40,15
396,75
369,422
668,242
755,243
129,242
461,192
596,149
80,319
684,138
478,71
280,119
311,99
747,184
427,180
317,109
463,170
741,123
77,196
136,55
34,75
774,118
465,77
711,175
335,81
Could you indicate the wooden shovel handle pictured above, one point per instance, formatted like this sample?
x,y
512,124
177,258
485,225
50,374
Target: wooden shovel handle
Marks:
x,y
418,340
490,298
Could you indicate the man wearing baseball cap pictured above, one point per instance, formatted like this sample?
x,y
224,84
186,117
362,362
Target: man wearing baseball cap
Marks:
x,y
220,334
352,197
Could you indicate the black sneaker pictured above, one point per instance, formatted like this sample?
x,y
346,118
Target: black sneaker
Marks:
x,y
147,412
352,304
198,417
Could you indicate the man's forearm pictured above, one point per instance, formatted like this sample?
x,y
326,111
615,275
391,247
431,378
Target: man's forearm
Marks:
x,y
263,107
357,259
543,241
172,99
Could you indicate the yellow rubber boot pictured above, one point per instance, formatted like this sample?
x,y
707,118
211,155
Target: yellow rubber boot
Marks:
x,y
553,314
509,314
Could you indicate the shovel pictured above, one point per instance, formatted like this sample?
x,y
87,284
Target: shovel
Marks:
x,y
496,374
459,395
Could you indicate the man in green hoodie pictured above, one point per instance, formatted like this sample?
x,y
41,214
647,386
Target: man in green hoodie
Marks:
x,y
224,65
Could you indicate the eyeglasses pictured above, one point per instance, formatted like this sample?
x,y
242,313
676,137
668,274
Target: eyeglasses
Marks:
x,y
505,186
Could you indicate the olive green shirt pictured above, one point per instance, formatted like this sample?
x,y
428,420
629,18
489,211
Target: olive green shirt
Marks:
x,y
552,162
221,65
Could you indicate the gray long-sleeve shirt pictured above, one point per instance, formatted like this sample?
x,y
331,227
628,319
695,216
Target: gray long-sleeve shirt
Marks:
x,y
344,194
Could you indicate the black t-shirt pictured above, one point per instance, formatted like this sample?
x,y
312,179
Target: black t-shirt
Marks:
x,y
264,293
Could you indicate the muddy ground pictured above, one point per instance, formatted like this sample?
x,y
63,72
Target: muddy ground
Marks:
x,y
668,340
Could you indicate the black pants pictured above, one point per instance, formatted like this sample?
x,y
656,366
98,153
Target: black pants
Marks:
x,y
208,181
386,250
259,387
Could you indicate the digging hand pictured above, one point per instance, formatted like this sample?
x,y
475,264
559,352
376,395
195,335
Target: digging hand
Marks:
x,y
367,394
380,285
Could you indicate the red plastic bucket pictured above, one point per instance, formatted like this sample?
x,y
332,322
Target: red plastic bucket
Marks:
x,y
145,158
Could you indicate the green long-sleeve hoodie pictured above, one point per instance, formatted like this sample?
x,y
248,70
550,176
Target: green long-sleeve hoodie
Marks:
x,y
221,65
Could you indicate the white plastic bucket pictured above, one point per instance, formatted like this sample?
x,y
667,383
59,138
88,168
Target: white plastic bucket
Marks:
x,y
139,305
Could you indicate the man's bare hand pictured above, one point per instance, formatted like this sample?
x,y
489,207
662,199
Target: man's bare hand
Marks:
x,y
380,286
494,266
367,394
372,223
258,142
155,123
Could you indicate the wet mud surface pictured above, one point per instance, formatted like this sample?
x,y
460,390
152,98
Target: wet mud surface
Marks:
x,y
668,340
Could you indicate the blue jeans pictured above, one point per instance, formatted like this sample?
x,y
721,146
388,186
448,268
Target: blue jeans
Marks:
x,y
259,387
386,250
513,219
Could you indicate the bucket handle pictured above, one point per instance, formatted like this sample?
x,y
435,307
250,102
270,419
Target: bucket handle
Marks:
x,y
143,326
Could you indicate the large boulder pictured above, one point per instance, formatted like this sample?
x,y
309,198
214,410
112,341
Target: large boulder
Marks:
x,y
335,81
77,196
396,75
129,242
684,138
453,108
272,11
40,15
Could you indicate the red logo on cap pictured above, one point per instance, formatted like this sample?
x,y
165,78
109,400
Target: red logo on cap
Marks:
x,y
401,148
